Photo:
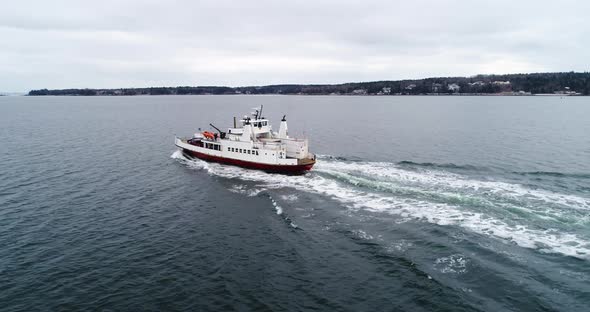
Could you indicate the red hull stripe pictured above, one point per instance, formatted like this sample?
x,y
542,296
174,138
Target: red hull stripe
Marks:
x,y
251,165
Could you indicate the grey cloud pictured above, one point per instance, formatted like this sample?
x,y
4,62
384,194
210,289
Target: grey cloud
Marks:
x,y
60,44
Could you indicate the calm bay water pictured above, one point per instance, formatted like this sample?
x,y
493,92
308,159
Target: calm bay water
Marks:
x,y
416,203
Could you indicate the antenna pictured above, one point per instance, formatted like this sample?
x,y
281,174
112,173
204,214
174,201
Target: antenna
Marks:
x,y
261,106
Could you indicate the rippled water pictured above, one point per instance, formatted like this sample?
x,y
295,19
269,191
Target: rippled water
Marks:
x,y
416,203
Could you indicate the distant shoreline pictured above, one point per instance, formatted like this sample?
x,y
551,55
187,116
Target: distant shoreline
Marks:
x,y
339,95
547,84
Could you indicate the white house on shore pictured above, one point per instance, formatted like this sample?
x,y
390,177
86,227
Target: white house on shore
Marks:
x,y
502,83
453,87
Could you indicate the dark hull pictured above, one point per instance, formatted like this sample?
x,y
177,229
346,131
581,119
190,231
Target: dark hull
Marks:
x,y
290,169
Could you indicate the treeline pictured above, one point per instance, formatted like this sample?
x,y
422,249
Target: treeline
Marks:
x,y
137,91
536,83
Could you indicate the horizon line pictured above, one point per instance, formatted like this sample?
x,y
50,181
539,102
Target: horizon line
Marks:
x,y
284,84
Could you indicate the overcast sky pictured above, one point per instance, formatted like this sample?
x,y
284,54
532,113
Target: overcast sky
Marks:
x,y
138,43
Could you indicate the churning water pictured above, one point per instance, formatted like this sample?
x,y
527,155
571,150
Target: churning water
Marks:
x,y
416,203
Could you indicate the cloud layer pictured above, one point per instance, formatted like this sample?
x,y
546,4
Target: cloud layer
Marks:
x,y
61,44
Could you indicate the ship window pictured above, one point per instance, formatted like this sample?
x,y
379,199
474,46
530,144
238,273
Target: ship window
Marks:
x,y
228,149
256,153
240,150
248,151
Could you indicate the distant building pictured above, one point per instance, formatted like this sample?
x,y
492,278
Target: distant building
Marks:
x,y
501,82
477,83
453,87
359,92
437,87
410,87
567,92
386,90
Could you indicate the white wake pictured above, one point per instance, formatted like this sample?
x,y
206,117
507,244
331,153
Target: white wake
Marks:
x,y
411,209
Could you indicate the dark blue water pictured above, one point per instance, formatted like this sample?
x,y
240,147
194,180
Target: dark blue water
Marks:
x,y
416,204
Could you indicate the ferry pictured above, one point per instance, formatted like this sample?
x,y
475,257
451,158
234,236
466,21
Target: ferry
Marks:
x,y
251,144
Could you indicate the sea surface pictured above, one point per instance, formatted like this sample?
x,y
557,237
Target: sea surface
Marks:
x,y
415,204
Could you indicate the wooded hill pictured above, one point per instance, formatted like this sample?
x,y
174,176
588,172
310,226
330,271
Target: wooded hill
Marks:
x,y
567,83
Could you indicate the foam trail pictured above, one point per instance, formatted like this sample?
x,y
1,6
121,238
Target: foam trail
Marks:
x,y
279,211
278,208
475,200
529,236
446,180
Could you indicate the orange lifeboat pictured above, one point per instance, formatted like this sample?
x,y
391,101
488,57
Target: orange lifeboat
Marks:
x,y
209,135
